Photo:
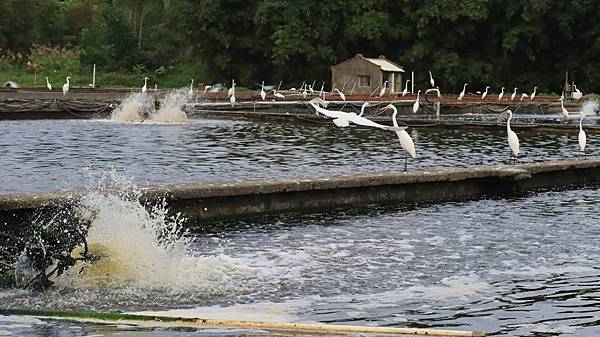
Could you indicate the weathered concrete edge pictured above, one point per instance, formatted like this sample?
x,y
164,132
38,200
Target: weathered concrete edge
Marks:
x,y
202,201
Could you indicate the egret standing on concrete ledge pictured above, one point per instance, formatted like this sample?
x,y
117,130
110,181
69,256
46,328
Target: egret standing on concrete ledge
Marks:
x,y
405,91
501,94
485,93
342,96
145,87
48,85
405,140
66,86
416,105
513,140
582,136
263,94
462,93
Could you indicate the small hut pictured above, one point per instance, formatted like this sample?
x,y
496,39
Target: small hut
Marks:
x,y
362,75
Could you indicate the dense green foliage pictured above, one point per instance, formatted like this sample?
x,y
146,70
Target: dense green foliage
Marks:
x,y
496,42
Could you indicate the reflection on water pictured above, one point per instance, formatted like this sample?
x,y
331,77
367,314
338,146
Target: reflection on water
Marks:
x,y
524,266
50,155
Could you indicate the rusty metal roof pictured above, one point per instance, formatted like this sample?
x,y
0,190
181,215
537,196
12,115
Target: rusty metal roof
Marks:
x,y
385,64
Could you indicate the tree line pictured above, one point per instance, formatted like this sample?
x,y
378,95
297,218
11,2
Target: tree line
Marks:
x,y
522,43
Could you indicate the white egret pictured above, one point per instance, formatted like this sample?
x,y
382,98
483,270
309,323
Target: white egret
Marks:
x,y
191,91
512,97
342,96
501,94
343,119
431,81
513,140
576,94
416,104
263,94
405,91
207,87
563,110
533,93
66,86
322,93
485,93
278,95
523,95
145,87
311,90
462,93
382,92
405,140
582,136
48,85
363,107
232,93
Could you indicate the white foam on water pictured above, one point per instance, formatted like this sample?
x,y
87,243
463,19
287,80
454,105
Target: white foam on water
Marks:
x,y
11,324
133,108
170,110
262,312
533,271
589,107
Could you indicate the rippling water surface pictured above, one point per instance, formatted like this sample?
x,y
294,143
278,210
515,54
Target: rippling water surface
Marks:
x,y
523,266
53,154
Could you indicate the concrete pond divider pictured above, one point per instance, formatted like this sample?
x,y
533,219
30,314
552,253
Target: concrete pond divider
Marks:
x,y
280,328
216,201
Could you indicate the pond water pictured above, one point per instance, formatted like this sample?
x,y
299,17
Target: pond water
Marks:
x,y
49,155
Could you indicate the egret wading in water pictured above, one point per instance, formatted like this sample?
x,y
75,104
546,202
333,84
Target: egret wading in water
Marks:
x,y
485,93
382,92
501,94
405,140
462,93
431,81
232,91
263,94
66,86
582,138
563,110
405,91
416,104
513,140
145,87
48,85
512,97
533,93
342,96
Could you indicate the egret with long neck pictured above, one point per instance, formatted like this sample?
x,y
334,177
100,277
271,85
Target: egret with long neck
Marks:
x,y
513,140
416,104
582,138
485,93
66,86
405,140
405,91
462,93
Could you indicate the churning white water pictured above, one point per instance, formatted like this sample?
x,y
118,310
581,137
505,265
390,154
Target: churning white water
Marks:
x,y
139,107
589,107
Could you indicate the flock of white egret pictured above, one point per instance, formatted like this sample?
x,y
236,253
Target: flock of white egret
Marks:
x,y
344,119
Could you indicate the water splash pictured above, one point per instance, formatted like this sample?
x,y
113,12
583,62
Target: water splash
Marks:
x,y
133,108
141,245
589,107
170,110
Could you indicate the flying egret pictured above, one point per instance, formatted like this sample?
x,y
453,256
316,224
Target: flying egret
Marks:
x,y
431,81
501,94
343,119
533,93
462,93
191,91
342,96
263,94
405,140
48,85
145,87
405,91
66,86
582,137
513,140
278,95
576,94
416,104
563,110
523,95
485,93
512,97
382,92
